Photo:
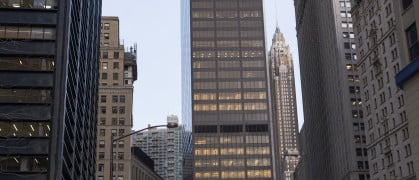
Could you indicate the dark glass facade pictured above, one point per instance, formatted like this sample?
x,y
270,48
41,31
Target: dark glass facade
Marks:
x,y
229,94
48,88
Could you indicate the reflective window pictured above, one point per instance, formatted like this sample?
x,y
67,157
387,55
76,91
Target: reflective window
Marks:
x,y
232,174
26,96
206,151
229,96
259,173
257,150
258,162
29,4
254,106
24,129
232,162
24,163
26,32
27,63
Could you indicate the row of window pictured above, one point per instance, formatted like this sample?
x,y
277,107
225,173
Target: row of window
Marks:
x,y
253,162
29,4
230,107
103,98
121,144
214,128
231,140
229,85
228,74
226,14
229,96
121,132
233,174
114,109
27,63
229,54
27,32
228,34
222,23
24,163
227,64
231,151
227,43
114,121
105,55
115,76
26,96
24,129
226,4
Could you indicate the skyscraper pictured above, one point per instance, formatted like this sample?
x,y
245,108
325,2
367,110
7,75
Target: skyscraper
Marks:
x,y
381,36
335,140
284,104
165,148
118,71
48,88
225,75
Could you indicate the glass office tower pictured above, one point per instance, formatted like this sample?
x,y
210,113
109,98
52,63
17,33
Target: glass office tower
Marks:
x,y
227,81
48,88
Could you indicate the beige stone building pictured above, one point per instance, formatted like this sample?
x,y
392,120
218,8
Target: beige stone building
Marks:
x,y
118,71
382,54
284,104
407,13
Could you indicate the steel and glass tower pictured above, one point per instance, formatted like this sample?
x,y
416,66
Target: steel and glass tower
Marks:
x,y
48,88
225,74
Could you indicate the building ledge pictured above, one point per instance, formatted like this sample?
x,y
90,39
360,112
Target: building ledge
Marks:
x,y
408,72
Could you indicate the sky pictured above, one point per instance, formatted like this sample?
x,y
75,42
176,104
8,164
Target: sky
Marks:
x,y
154,25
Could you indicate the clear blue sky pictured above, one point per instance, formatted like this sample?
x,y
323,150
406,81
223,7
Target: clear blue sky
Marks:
x,y
155,26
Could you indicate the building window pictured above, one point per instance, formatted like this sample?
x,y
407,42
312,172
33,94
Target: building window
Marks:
x,y
106,26
113,132
102,132
121,132
106,35
104,76
120,167
114,99
101,167
120,155
121,121
406,3
412,41
115,76
104,65
114,121
101,144
122,110
105,55
101,155
122,99
116,65
103,99
116,55
27,32
102,121
114,110
121,144
100,178
103,109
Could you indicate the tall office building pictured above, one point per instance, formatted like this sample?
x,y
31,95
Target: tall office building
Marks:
x,y
226,77
118,71
48,88
382,53
335,142
165,148
284,104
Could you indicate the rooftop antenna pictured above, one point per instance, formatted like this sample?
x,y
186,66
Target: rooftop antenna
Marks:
x,y
276,13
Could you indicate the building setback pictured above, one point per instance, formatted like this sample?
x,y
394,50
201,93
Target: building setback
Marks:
x,y
284,104
164,148
225,74
48,88
383,50
335,141
118,71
